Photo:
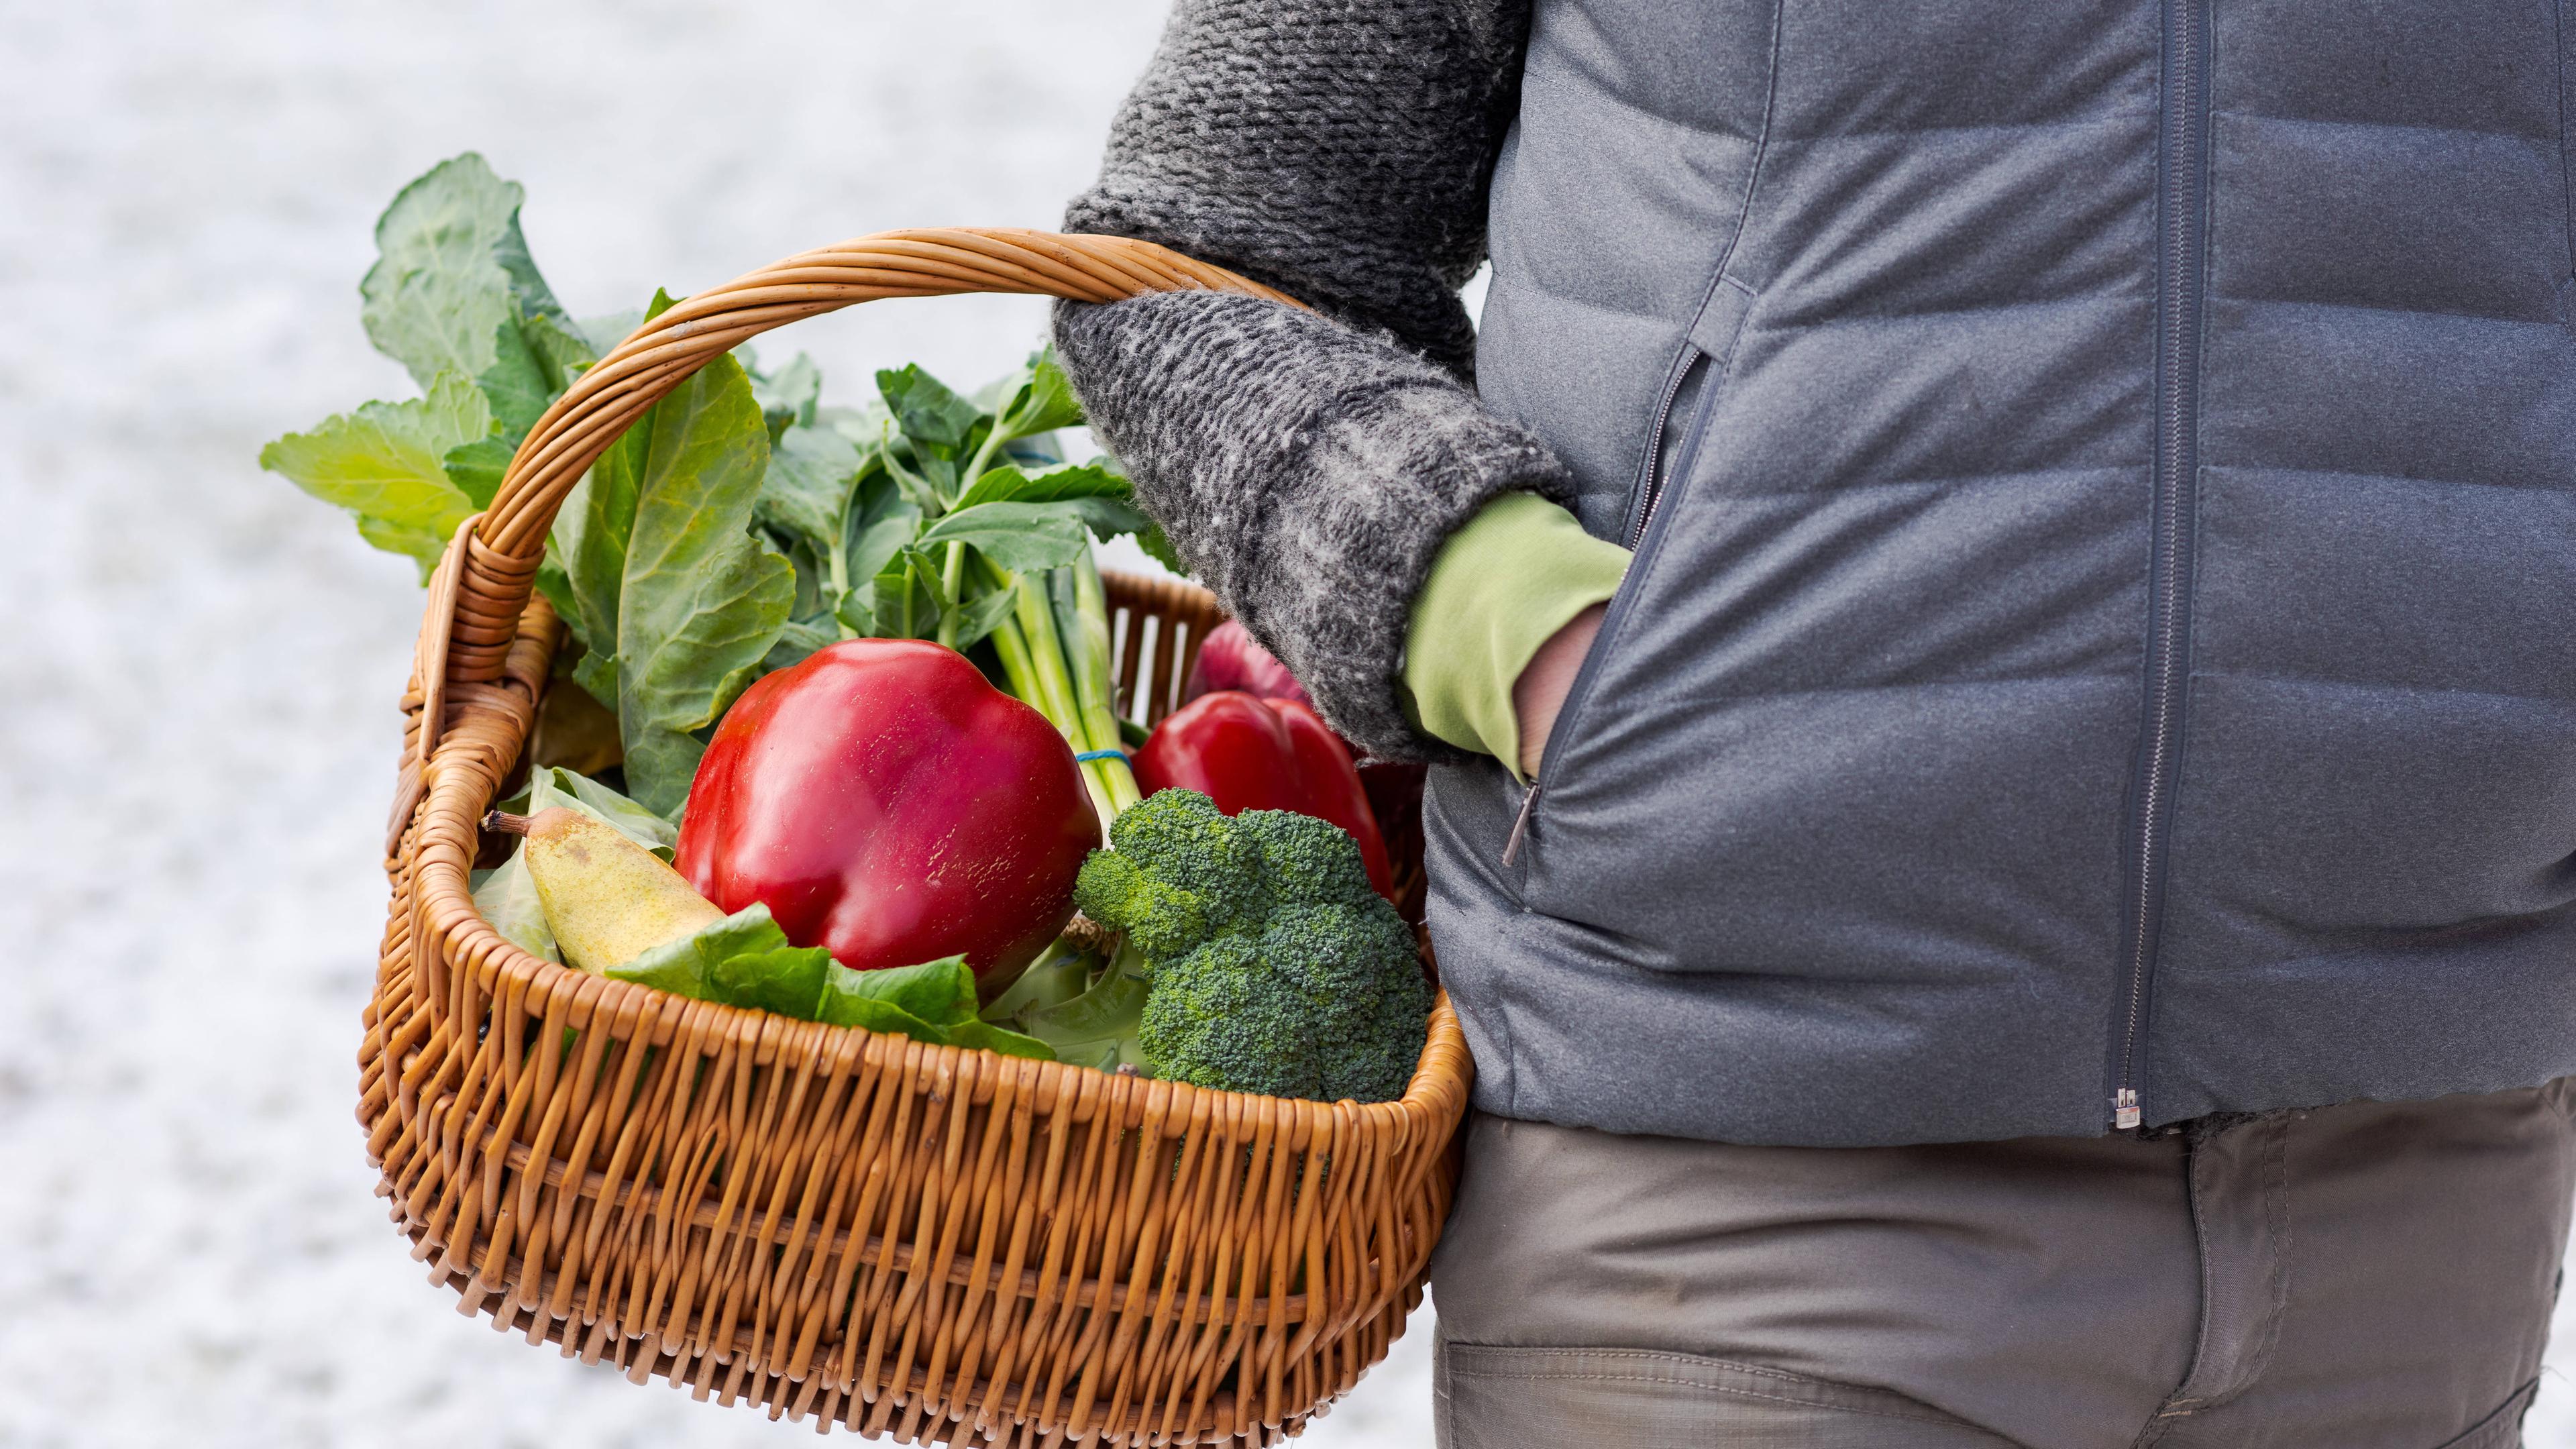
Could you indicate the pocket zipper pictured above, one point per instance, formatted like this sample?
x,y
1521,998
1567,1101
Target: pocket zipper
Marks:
x,y
1650,495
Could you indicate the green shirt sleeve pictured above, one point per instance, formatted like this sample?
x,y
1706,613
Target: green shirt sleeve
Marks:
x,y
1501,586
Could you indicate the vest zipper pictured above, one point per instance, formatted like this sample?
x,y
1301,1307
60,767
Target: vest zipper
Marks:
x,y
1650,489
2182,244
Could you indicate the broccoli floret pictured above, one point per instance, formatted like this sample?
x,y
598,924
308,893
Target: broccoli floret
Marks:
x,y
1180,839
1276,968
1312,862
1219,1018
1162,920
1340,953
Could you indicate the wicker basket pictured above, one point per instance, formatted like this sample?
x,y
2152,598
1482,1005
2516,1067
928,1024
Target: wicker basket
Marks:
x,y
940,1245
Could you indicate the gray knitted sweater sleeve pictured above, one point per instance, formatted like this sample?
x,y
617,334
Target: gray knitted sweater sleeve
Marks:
x,y
1308,465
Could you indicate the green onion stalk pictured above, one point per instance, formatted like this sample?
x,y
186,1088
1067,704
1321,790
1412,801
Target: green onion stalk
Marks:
x,y
1054,648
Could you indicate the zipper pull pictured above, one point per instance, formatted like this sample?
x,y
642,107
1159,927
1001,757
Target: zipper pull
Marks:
x,y
1520,824
2124,1109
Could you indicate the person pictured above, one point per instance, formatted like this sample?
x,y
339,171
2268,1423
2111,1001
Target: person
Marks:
x,y
1991,604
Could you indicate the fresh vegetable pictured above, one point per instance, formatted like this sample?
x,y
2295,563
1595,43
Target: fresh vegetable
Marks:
x,y
754,586
744,961
614,908
607,899
740,524
933,1002
1230,658
1276,968
1082,1002
676,604
1255,754
888,804
955,541
741,960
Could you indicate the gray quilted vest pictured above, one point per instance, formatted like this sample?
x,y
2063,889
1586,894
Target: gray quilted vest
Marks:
x,y
2102,642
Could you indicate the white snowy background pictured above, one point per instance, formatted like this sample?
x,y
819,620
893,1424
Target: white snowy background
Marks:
x,y
198,665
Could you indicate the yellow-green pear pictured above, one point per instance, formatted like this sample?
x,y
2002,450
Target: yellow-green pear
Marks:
x,y
607,899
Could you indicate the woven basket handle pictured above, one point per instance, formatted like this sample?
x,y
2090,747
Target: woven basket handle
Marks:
x,y
660,355
483,585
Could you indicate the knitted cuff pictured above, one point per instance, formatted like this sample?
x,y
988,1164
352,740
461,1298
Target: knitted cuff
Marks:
x,y
1307,472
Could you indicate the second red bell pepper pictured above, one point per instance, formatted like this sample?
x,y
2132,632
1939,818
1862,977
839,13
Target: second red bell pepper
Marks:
x,y
1232,659
1264,754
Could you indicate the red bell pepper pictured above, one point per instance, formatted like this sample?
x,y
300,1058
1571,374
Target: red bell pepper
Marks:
x,y
1232,659
888,804
1247,753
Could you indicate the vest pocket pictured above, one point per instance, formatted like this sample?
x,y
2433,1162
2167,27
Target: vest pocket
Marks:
x,y
1682,389
1682,419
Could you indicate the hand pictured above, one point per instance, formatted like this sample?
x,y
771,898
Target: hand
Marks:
x,y
1540,691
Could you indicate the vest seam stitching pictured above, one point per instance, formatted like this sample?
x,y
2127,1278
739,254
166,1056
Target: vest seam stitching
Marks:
x,y
1761,146
1743,217
2566,166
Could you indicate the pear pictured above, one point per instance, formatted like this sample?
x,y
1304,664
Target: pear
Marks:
x,y
607,899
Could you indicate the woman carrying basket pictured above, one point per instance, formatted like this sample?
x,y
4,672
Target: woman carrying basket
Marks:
x,y
1990,605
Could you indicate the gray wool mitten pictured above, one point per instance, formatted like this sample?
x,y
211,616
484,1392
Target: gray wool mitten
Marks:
x,y
1309,465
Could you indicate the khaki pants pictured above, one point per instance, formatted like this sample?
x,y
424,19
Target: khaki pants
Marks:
x,y
2348,1277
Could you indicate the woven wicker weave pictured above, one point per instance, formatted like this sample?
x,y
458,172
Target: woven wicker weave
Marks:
x,y
940,1245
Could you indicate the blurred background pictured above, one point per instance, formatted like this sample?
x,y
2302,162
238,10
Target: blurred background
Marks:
x,y
199,665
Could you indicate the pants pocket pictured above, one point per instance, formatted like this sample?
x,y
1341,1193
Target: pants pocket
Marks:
x,y
1488,1396
2501,1429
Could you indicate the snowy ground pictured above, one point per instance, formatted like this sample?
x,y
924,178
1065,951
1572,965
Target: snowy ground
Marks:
x,y
199,665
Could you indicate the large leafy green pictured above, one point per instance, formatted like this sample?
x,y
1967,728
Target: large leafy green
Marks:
x,y
1021,537
905,602
1101,498
528,375
741,960
787,399
928,410
932,1002
880,523
810,474
934,994
981,615
842,516
676,601
455,298
454,290
559,786
476,468
1097,1028
385,463
744,960
1009,484
703,599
